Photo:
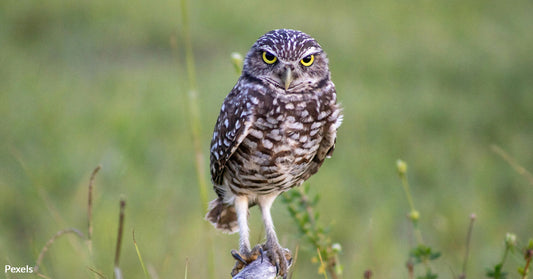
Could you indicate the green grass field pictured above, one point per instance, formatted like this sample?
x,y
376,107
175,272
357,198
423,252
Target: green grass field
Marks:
x,y
435,83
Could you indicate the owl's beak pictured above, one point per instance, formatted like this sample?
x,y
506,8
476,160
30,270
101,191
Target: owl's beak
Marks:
x,y
286,78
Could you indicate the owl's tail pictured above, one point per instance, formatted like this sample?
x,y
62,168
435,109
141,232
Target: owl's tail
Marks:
x,y
222,216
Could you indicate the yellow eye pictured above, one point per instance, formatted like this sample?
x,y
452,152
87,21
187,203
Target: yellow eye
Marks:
x,y
269,58
308,60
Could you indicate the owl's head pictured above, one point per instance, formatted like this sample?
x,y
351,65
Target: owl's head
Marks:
x,y
288,59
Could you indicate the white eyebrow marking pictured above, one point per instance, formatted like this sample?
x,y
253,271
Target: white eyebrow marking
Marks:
x,y
269,49
311,50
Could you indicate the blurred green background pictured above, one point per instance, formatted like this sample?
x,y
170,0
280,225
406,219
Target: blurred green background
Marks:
x,y
435,83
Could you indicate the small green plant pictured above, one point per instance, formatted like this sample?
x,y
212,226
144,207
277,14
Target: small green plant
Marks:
x,y
528,256
300,207
422,253
497,270
510,239
510,242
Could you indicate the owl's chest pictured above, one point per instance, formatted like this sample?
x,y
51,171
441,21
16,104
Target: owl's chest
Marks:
x,y
290,123
284,136
281,144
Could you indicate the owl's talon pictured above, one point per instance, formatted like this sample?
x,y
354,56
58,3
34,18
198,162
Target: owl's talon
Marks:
x,y
236,255
288,256
236,268
260,251
280,257
245,258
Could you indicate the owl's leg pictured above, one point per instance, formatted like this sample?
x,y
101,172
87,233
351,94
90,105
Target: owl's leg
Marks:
x,y
241,207
244,256
279,256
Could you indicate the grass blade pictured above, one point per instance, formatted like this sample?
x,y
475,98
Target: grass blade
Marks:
x,y
139,255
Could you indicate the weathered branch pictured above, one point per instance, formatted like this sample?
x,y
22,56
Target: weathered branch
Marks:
x,y
258,269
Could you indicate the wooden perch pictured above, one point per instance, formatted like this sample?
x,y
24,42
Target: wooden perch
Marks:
x,y
258,269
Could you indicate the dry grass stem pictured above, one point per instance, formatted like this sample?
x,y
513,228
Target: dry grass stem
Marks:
x,y
90,203
50,242
518,168
468,239
118,273
96,272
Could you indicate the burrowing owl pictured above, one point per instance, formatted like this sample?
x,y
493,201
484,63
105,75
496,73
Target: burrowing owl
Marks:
x,y
275,128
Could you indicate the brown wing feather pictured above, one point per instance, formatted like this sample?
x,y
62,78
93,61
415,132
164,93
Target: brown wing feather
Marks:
x,y
231,128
